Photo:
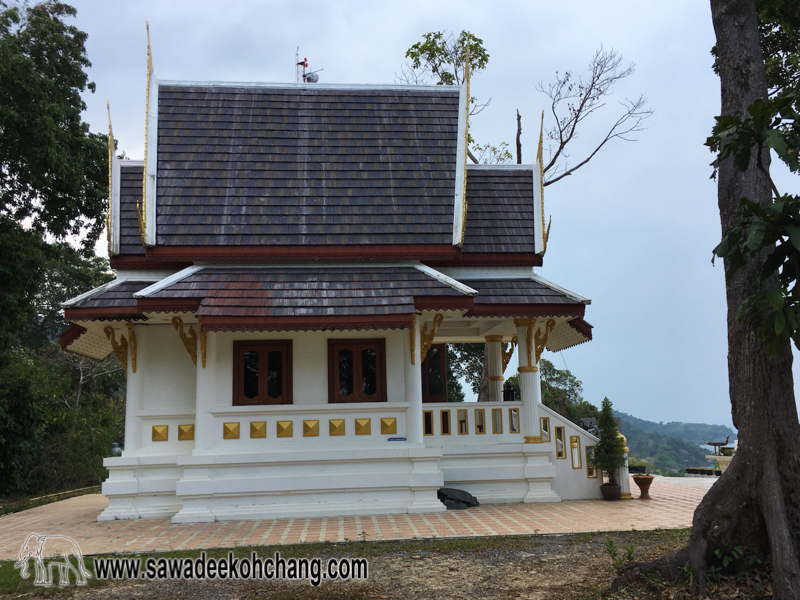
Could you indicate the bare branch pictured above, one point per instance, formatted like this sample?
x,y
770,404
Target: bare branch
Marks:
x,y
571,102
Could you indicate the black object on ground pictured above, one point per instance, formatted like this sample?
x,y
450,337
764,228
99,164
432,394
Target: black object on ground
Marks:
x,y
455,499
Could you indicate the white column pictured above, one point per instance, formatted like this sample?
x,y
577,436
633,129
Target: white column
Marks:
x,y
623,477
204,403
413,382
134,397
495,363
528,383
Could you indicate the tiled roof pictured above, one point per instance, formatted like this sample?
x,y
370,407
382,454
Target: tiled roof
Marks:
x,y
130,193
271,166
303,292
119,296
517,291
500,211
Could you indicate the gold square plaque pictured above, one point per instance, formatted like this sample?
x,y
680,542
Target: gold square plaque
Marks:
x,y
185,433
363,426
310,428
285,428
258,429
336,427
388,426
230,431
160,433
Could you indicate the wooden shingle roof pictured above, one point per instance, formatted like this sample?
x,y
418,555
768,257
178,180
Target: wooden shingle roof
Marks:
x,y
304,166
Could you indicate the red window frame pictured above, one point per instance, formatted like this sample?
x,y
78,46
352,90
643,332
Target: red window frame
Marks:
x,y
263,347
334,346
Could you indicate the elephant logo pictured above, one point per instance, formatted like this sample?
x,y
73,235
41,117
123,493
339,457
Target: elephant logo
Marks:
x,y
58,549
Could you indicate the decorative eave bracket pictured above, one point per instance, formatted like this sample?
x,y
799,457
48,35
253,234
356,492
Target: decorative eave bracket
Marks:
x,y
426,337
189,341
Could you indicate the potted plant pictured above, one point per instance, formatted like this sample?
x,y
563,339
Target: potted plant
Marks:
x,y
609,454
644,482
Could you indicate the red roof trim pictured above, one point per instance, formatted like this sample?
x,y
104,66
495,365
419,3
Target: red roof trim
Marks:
x,y
121,313
305,323
443,302
525,310
368,252
168,304
582,327
137,261
490,259
70,335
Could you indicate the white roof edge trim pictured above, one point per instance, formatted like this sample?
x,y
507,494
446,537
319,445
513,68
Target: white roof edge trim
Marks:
x,y
310,86
527,167
102,288
456,285
558,288
116,183
461,153
167,281
152,165
124,162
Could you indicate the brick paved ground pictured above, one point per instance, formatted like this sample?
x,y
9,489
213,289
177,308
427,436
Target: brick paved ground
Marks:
x,y
672,506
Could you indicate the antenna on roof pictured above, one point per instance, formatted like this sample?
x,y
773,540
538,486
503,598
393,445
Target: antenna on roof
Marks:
x,y
300,67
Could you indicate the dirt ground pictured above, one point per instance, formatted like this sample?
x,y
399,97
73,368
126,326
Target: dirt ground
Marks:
x,y
529,567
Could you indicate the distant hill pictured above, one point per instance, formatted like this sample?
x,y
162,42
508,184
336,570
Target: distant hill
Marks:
x,y
691,432
661,450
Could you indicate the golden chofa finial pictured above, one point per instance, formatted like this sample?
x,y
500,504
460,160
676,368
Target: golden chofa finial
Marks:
x,y
110,176
540,160
141,207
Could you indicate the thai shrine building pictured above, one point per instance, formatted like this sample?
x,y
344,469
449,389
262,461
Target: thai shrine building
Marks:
x,y
291,260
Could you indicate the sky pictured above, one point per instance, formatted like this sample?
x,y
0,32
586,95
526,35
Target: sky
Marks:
x,y
632,230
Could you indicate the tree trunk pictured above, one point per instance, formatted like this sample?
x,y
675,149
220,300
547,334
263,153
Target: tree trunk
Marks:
x,y
483,389
756,502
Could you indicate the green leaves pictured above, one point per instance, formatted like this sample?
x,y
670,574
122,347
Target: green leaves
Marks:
x,y
53,172
443,57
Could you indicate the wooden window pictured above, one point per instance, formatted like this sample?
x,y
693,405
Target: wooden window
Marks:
x,y
357,370
262,372
434,374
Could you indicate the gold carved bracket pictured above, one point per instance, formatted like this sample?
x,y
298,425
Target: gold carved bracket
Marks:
x,y
413,339
132,338
426,337
189,341
541,337
120,349
508,351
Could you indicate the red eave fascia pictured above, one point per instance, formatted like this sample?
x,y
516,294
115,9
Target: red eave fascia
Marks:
x,y
581,327
168,304
70,335
225,323
443,302
490,259
139,261
365,252
524,310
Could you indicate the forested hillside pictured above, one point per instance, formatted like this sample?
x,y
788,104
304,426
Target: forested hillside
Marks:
x,y
691,432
